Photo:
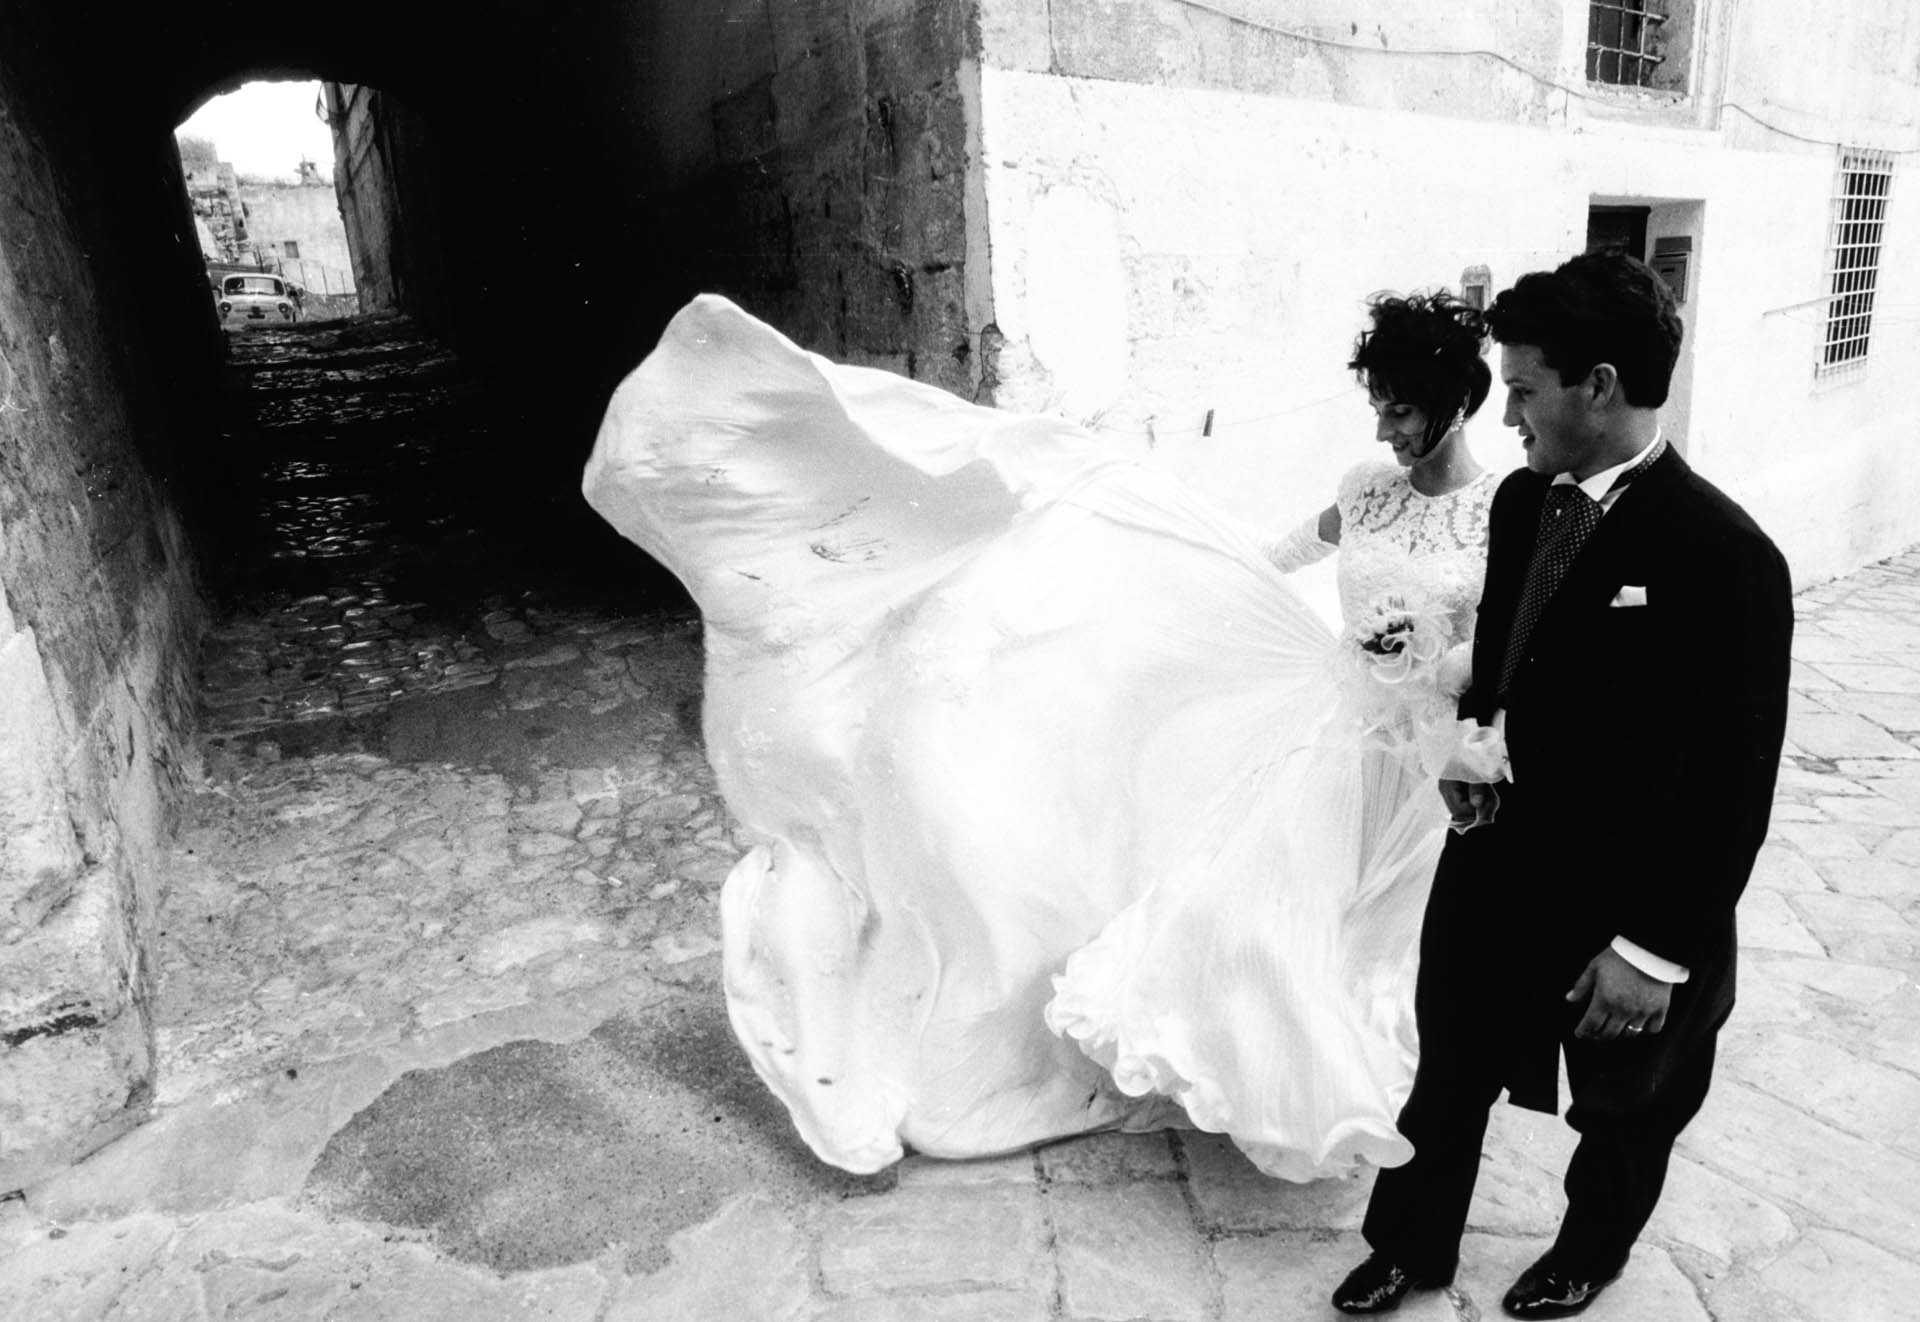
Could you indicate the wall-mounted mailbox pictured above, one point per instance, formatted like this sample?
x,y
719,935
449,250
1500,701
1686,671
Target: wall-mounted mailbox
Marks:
x,y
1671,257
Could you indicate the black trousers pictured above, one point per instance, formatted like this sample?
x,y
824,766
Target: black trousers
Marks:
x,y
1630,1098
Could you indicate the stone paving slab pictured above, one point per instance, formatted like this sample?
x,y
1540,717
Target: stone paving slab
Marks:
x,y
1127,1251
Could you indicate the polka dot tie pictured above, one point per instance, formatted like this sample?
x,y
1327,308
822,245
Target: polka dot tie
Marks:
x,y
1567,519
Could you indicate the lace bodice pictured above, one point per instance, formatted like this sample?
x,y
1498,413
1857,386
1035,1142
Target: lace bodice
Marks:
x,y
1394,540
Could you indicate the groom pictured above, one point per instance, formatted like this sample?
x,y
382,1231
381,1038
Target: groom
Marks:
x,y
1633,643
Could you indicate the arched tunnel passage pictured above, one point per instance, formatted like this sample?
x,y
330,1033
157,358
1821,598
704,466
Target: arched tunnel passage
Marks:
x,y
430,451
563,176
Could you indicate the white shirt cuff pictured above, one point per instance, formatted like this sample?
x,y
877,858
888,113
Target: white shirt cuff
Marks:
x,y
1649,963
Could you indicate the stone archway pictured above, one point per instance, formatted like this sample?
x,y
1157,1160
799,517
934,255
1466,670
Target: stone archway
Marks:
x,y
593,166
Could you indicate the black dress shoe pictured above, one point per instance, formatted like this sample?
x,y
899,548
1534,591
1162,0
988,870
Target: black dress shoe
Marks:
x,y
1378,1285
1548,1289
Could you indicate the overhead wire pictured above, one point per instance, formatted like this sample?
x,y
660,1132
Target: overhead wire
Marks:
x,y
1545,80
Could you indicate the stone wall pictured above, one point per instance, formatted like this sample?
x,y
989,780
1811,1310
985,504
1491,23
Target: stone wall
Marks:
x,y
367,126
98,610
814,159
1315,49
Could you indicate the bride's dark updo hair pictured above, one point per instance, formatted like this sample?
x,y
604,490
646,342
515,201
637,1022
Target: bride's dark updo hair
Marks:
x,y
1426,350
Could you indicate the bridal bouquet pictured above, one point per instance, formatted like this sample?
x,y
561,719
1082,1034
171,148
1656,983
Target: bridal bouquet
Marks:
x,y
1400,641
1413,672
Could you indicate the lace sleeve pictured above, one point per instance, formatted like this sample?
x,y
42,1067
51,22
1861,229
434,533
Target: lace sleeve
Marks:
x,y
1299,548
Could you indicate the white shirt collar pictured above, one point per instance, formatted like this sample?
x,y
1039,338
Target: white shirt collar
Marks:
x,y
1601,482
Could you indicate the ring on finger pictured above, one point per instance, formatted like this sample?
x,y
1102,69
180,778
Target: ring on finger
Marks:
x,y
1636,1028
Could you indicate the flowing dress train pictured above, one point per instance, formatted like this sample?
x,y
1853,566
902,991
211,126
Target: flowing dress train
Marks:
x,y
987,695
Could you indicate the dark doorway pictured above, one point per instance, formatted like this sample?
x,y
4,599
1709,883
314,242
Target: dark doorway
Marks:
x,y
1618,227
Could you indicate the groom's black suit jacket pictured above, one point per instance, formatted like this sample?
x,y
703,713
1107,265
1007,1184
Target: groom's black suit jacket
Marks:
x,y
1645,742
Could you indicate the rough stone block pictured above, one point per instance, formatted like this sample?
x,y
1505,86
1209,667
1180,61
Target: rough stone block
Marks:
x,y
1868,810
1835,1275
1715,1215
711,1279
743,44
1797,812
1896,882
915,176
1901,847
1129,1251
37,846
76,969
866,13
1767,922
1805,678
1818,842
1137,41
85,1272
1015,35
1108,1159
1778,869
817,95
1862,930
919,50
1866,677
71,1090
1858,984
1014,1168
751,225
802,27
1524,1159
942,346
1839,735
1896,712
743,123
897,363
879,298
1815,644
1233,1195
1787,1156
981,1237
980,1306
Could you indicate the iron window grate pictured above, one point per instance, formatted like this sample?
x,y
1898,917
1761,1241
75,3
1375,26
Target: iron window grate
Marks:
x,y
1861,188
1620,41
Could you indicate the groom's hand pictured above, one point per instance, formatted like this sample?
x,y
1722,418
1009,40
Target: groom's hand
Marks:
x,y
1621,1000
1469,804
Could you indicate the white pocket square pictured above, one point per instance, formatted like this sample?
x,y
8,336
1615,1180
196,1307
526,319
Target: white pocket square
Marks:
x,y
1629,596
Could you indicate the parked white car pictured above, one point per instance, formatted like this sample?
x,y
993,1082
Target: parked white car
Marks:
x,y
256,299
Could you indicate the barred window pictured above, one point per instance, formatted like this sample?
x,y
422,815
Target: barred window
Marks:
x,y
1639,43
1861,189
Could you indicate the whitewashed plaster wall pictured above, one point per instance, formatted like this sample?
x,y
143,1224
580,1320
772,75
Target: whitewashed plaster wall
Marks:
x,y
1159,252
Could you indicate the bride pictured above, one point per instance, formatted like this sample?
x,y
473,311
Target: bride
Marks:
x,y
1069,813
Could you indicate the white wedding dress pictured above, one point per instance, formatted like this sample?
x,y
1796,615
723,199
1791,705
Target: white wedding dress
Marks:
x,y
1070,813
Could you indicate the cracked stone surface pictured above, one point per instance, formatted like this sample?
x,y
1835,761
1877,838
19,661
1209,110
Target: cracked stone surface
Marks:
x,y
442,1034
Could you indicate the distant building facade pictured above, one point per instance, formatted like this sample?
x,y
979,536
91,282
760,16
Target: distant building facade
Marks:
x,y
296,228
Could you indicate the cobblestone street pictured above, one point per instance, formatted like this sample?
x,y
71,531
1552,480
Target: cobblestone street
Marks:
x,y
441,1029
